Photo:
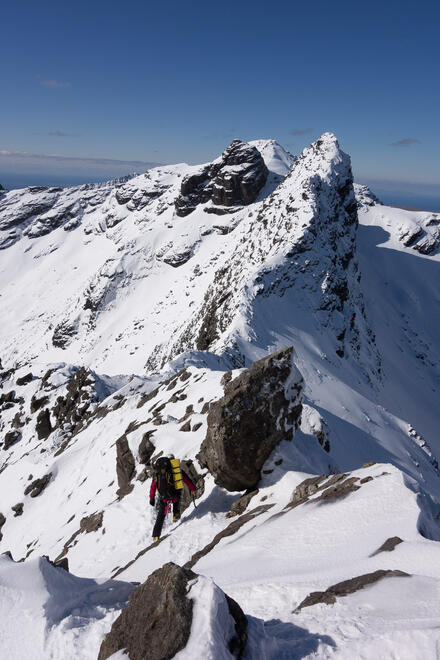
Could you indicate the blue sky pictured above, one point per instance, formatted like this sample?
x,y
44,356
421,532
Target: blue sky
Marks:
x,y
176,81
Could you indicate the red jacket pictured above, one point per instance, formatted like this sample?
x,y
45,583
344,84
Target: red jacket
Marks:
x,y
186,480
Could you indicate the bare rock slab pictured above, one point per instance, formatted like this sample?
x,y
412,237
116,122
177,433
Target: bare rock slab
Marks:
x,y
347,587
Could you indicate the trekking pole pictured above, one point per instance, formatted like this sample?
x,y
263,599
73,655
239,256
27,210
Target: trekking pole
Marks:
x,y
194,501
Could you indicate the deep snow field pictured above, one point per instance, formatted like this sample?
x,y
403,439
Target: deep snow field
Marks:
x,y
157,308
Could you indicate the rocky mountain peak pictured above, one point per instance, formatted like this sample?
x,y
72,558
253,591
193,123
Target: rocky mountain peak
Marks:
x,y
302,238
233,180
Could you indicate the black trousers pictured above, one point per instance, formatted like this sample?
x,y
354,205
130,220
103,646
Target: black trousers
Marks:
x,y
157,529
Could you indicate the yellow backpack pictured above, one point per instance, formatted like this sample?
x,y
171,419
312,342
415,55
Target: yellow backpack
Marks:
x,y
177,475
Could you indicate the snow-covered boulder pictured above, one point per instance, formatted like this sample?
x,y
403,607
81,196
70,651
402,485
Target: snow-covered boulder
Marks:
x,y
178,614
260,407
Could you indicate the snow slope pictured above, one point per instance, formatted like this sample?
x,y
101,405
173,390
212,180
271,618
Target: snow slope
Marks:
x,y
110,278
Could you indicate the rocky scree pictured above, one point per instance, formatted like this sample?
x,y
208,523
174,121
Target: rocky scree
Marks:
x,y
261,407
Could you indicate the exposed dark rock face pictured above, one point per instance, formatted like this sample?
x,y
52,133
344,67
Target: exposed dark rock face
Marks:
x,y
71,409
17,422
8,397
364,196
261,407
339,490
235,179
388,546
2,522
146,448
336,486
423,237
125,467
62,563
11,438
347,587
18,509
157,623
237,645
240,505
187,498
38,485
36,403
43,426
24,380
63,334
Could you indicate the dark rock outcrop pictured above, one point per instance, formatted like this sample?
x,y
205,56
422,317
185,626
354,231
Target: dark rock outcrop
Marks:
x,y
36,403
199,482
43,426
11,438
62,563
24,380
233,180
17,421
72,408
8,398
157,623
125,467
388,546
146,448
241,504
261,407
37,486
63,334
2,522
18,509
347,587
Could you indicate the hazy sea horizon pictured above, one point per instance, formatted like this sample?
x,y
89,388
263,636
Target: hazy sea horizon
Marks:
x,y
392,197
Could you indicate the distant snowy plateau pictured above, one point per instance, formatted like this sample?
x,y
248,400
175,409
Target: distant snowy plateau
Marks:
x,y
155,315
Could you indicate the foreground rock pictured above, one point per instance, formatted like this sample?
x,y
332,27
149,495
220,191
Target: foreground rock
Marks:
x,y
163,612
261,407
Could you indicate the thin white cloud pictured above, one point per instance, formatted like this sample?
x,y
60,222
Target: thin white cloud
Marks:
x,y
24,164
54,83
405,142
23,155
61,134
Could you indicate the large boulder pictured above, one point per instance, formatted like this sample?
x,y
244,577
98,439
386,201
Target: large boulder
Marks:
x,y
176,609
261,407
234,179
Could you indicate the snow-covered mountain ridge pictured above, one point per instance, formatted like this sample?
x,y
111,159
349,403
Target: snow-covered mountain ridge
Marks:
x,y
121,318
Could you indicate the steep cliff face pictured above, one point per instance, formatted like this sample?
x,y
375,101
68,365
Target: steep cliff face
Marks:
x,y
234,179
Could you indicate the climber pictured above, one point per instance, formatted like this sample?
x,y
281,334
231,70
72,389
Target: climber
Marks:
x,y
168,480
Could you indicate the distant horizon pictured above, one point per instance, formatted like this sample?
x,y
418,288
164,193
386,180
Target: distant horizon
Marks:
x,y
390,193
172,82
